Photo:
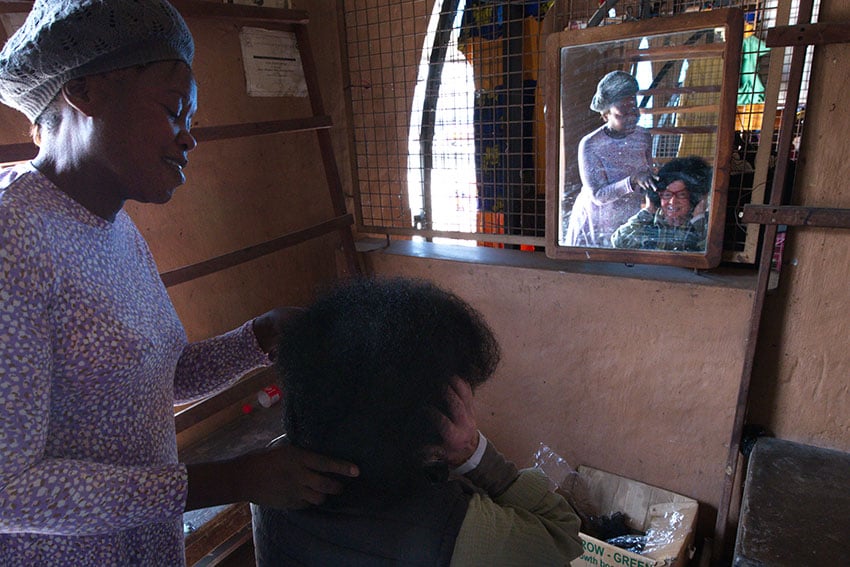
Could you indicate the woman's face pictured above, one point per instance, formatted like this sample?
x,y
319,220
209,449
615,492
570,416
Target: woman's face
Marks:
x,y
676,203
622,116
144,140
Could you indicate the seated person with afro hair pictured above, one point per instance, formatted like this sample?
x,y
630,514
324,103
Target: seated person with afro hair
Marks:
x,y
381,372
675,217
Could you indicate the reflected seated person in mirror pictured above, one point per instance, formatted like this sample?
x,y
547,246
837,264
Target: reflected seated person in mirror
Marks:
x,y
675,218
615,164
382,372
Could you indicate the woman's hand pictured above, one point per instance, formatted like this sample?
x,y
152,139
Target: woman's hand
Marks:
x,y
458,429
643,181
268,326
284,476
287,476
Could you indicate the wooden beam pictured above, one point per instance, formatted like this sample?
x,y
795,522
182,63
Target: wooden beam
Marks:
x,y
481,236
212,133
796,216
207,267
243,13
808,34
655,110
667,53
666,91
683,129
780,173
13,153
240,13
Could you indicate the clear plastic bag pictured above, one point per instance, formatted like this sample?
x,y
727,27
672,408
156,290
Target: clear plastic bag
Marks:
x,y
667,528
565,480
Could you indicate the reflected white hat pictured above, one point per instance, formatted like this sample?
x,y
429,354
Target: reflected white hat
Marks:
x,y
614,86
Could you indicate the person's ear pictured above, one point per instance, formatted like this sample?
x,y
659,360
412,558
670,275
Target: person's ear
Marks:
x,y
80,94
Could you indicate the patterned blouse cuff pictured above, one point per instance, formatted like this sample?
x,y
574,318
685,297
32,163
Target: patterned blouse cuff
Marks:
x,y
262,357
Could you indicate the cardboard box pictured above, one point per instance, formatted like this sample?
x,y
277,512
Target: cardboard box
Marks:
x,y
669,516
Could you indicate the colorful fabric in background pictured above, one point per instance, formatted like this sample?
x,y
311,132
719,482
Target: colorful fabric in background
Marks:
x,y
506,183
486,19
751,88
491,145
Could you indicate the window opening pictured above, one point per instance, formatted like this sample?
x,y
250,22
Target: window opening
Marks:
x,y
441,168
477,173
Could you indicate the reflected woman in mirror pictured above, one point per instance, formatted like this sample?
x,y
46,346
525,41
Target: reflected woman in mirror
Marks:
x,y
615,164
676,217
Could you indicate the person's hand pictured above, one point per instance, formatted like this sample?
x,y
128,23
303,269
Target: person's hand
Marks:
x,y
699,209
287,476
284,476
458,429
643,181
267,327
648,205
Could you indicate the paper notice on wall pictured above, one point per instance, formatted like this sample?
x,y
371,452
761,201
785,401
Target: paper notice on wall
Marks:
x,y
272,63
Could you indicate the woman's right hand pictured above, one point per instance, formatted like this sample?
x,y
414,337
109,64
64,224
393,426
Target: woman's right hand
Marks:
x,y
284,476
287,476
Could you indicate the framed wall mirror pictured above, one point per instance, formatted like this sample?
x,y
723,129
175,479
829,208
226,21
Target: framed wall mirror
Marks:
x,y
639,137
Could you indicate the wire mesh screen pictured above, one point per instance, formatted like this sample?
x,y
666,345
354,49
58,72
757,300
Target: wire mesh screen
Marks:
x,y
449,122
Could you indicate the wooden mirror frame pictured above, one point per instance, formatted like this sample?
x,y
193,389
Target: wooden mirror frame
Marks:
x,y
705,108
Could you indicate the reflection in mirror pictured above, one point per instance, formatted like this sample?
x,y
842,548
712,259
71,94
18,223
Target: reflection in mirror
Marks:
x,y
639,136
674,213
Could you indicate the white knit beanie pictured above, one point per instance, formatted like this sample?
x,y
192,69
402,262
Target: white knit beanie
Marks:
x,y
615,86
67,39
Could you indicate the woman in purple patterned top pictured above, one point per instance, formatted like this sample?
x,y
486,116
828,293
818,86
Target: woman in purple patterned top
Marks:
x,y
615,164
92,354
